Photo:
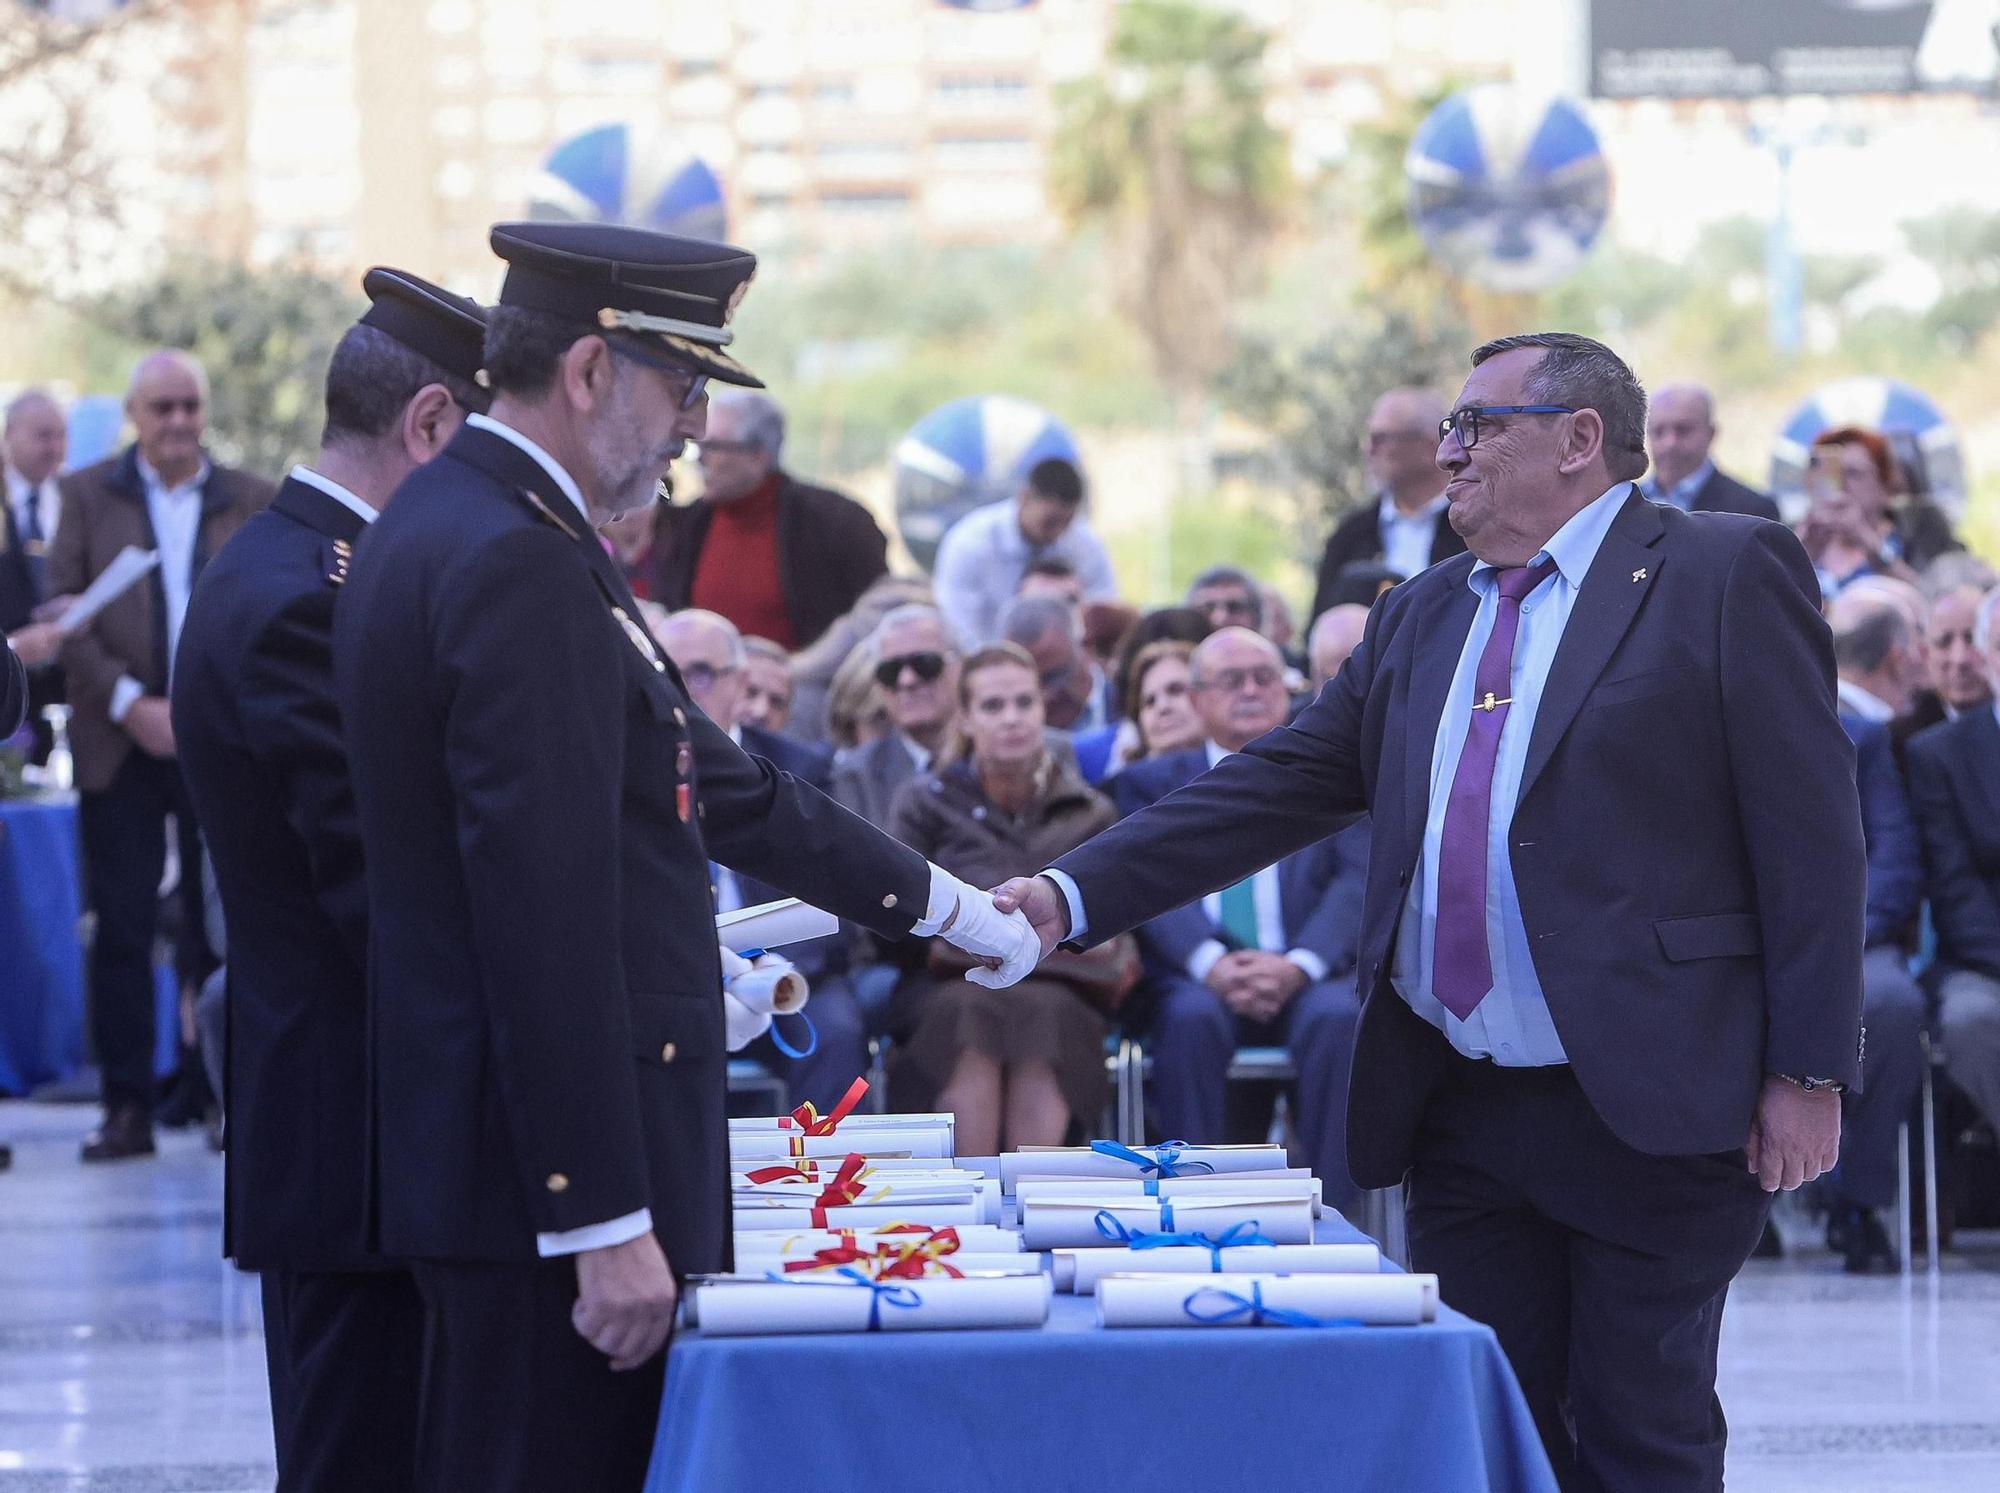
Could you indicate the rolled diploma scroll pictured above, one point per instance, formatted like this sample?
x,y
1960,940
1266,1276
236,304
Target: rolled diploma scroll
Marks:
x,y
772,986
832,1304
1071,1223
772,925
962,1209
1040,1189
884,1168
777,1145
785,1125
979,1238
1164,1300
966,1264
1081,1161
1080,1270
879,1189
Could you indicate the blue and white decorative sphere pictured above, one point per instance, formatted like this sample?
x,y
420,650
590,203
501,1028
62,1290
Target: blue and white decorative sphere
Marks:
x,y
966,453
1509,189
96,421
622,173
1925,443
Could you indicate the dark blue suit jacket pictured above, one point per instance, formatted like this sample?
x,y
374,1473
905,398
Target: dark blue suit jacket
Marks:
x,y
13,690
1955,789
260,748
813,766
1686,845
1895,865
1320,888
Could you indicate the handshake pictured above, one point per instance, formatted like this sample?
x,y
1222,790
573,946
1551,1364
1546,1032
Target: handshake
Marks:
x,y
1009,930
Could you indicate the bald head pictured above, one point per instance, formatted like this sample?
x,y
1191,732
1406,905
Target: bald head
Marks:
x,y
1680,429
1334,638
708,650
167,402
35,436
1239,686
1401,444
1875,646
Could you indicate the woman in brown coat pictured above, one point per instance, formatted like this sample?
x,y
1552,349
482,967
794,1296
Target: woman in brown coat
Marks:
x,y
1012,1065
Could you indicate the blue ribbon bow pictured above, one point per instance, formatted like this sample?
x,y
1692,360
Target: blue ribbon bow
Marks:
x,y
1162,1163
1235,1237
1253,1306
1109,1225
895,1293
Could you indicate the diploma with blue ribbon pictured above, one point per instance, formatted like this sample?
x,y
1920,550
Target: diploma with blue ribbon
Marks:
x,y
849,1300
1257,1300
1109,1220
1239,1250
1110,1158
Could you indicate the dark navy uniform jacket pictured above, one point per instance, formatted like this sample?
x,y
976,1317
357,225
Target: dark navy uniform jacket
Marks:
x,y
260,748
1686,846
539,801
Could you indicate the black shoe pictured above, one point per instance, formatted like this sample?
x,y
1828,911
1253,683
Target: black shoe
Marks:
x,y
127,1131
1862,1242
1769,1245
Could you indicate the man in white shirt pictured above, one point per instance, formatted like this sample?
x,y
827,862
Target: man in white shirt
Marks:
x,y
986,554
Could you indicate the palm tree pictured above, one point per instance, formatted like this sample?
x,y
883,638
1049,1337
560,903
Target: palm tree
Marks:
x,y
1168,149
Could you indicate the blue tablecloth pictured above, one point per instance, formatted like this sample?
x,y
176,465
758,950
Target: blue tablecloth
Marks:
x,y
1430,1409
41,962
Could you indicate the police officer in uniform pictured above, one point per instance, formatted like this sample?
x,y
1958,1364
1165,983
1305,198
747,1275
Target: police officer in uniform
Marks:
x,y
539,801
261,751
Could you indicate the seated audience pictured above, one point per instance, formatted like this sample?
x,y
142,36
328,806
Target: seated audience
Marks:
x,y
1014,1066
1163,719
1877,655
1228,597
767,685
985,555
1954,773
1267,961
1334,637
1052,575
1869,631
1075,694
857,713
1860,522
709,652
813,668
1957,677
916,669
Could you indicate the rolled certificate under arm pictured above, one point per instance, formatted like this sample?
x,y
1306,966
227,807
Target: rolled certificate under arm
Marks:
x,y
772,925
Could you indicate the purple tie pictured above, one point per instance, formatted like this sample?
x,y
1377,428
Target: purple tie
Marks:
x,y
1462,967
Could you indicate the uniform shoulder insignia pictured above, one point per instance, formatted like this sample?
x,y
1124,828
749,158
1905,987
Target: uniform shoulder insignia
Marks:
x,y
641,639
549,515
343,556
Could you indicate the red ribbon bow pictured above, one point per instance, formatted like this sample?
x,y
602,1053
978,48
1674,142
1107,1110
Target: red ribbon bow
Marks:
x,y
914,1261
809,1121
842,1190
801,1171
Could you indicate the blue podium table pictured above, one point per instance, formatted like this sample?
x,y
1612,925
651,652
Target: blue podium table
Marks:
x,y
41,961
1073,1406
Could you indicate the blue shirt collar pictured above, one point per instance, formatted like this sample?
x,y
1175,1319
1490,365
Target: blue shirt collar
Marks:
x,y
1682,493
1574,546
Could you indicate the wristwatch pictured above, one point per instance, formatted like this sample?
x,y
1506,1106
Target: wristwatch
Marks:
x,y
1811,1085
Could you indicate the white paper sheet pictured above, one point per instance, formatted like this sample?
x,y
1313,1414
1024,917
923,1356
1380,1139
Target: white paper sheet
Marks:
x,y
729,1307
1165,1300
1080,1270
1081,1161
127,568
772,925
1071,1223
796,1218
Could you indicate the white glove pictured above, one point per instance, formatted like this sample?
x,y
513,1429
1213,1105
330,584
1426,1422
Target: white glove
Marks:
x,y
740,1025
982,930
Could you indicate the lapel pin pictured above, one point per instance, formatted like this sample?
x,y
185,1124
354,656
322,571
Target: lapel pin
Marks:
x,y
1639,574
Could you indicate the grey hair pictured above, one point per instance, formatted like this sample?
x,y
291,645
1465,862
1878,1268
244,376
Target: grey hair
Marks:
x,y
1230,575
1029,619
1582,372
777,653
1987,623
699,617
763,420
1867,640
915,611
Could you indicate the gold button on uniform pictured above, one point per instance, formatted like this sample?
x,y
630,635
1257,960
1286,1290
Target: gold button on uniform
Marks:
x,y
890,900
558,1182
668,1053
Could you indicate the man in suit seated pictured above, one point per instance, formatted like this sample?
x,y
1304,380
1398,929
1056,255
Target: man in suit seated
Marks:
x,y
1267,962
1868,632
1680,430
709,652
1954,773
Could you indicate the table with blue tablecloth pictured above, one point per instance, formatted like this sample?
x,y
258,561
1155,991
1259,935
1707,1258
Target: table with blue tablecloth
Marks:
x,y
1431,1409
41,961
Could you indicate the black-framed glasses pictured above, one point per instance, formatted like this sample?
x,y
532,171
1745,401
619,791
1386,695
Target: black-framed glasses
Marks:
x,y
190,405
927,667
1229,681
713,447
1464,423
697,382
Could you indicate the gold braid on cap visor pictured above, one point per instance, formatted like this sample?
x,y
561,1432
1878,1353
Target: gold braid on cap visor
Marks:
x,y
667,326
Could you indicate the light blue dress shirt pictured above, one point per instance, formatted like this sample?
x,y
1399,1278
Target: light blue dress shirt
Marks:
x,y
1681,494
1512,1025
1407,537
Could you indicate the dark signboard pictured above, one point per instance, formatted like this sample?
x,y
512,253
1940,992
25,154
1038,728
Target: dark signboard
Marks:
x,y
1756,48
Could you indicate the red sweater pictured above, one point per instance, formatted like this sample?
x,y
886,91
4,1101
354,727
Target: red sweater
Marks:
x,y
737,574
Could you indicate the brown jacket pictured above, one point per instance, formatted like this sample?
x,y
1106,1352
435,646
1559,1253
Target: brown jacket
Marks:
x,y
103,511
949,819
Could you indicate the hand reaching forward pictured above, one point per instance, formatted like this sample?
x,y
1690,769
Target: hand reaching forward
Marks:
x,y
1795,1135
998,937
1037,899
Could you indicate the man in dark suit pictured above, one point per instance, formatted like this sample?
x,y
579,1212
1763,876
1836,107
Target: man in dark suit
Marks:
x,y
1268,961
1954,771
261,749
1404,525
709,652
1611,946
539,800
778,557
34,440
1680,430
162,494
